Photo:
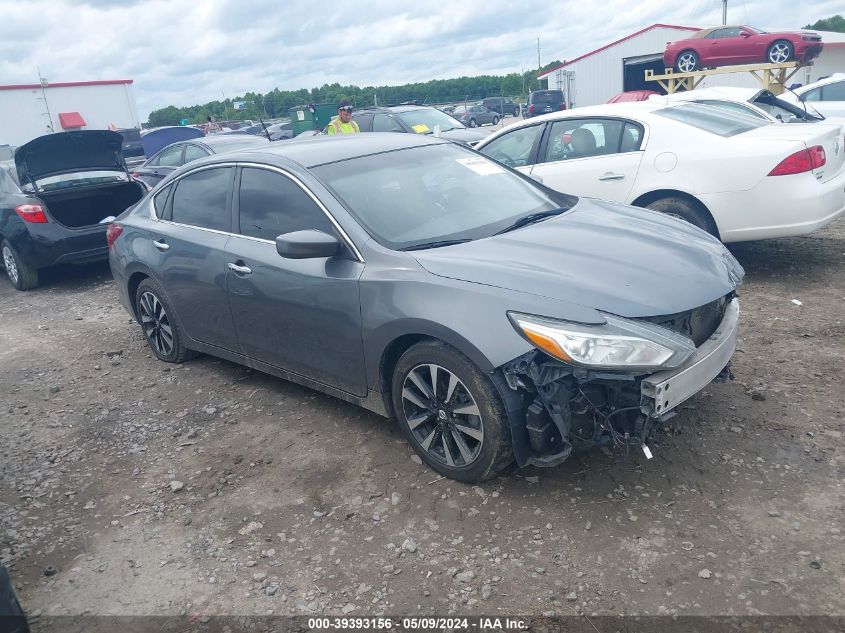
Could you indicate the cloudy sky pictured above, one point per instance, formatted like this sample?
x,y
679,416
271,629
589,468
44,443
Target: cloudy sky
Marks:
x,y
186,52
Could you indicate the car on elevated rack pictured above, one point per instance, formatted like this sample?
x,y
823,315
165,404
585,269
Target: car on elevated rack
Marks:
x,y
54,197
736,176
733,45
496,319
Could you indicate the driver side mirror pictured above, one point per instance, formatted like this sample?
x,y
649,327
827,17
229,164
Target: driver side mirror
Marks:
x,y
307,245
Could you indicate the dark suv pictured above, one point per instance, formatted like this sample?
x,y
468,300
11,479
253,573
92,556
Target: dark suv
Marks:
x,y
502,105
415,119
545,101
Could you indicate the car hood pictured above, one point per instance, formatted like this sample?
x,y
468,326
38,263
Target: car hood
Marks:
x,y
617,259
464,135
69,152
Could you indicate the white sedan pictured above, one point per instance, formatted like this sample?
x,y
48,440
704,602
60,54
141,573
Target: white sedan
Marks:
x,y
735,176
825,95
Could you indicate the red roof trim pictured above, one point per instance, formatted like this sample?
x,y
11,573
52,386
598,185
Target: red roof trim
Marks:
x,y
70,120
68,84
624,39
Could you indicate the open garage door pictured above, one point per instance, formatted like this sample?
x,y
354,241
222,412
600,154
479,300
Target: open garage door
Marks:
x,y
635,68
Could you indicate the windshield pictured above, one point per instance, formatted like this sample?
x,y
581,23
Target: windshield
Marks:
x,y
712,119
548,97
422,121
435,193
780,108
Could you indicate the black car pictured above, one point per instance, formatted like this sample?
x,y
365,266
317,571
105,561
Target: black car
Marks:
x,y
502,105
415,120
54,197
545,101
177,154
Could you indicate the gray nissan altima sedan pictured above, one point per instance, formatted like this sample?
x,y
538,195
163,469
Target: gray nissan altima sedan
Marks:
x,y
496,319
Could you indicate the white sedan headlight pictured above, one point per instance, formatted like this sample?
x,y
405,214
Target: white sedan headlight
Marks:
x,y
616,344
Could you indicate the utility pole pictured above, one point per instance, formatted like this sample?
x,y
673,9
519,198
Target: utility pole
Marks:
x,y
538,54
43,82
724,12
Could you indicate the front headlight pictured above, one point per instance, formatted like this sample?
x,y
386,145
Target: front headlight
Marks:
x,y
617,344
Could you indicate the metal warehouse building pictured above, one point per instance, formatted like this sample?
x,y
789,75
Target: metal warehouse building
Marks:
x,y
595,77
32,110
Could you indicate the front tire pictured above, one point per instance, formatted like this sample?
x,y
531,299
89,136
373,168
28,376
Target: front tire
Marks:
x,y
780,52
22,275
684,210
687,62
516,111
495,120
451,413
159,323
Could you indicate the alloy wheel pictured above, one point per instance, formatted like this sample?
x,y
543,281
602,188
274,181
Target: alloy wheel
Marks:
x,y
687,63
10,265
156,324
780,53
442,415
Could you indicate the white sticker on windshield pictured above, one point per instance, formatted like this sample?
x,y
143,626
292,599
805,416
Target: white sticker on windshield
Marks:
x,y
481,166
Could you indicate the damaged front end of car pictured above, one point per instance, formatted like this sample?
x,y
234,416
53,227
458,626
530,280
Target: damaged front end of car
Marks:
x,y
585,386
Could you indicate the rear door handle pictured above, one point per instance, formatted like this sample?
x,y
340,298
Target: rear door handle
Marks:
x,y
611,176
241,270
161,245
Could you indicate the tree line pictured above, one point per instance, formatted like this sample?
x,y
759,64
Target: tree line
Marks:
x,y
277,103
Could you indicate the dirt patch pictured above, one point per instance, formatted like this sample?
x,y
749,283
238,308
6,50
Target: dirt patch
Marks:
x,y
208,487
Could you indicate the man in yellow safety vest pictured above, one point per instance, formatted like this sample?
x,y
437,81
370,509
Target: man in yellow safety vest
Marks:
x,y
343,123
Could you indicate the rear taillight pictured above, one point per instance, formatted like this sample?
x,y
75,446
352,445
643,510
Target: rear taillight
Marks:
x,y
531,109
113,231
32,213
563,106
801,161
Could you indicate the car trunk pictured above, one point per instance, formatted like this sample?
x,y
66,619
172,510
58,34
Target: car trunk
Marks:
x,y
828,136
87,206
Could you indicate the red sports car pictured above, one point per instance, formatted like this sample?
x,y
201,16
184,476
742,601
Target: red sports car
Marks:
x,y
730,45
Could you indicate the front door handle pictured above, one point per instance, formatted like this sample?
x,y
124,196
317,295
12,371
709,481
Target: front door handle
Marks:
x,y
161,245
241,270
612,176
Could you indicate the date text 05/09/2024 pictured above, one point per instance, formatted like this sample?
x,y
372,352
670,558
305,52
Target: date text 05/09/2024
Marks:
x,y
481,624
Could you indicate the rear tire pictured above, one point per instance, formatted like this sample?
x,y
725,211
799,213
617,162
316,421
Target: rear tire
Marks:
x,y
159,323
684,210
472,123
687,62
516,111
780,52
495,120
451,413
22,275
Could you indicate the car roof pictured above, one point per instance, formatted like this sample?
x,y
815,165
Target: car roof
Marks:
x,y
821,82
213,140
320,150
400,108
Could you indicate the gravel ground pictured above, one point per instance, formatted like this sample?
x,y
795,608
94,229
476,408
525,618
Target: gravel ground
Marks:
x,y
211,488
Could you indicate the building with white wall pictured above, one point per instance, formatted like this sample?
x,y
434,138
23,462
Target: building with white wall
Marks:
x,y
596,76
32,110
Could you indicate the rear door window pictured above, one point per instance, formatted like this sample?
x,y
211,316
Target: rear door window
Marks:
x,y
271,204
581,138
201,199
170,157
194,152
